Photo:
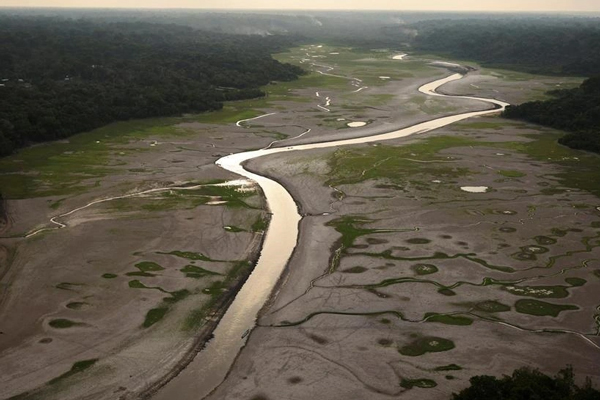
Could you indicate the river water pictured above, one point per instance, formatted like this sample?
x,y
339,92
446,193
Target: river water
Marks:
x,y
210,366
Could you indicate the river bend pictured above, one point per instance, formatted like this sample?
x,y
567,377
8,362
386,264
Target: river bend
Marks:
x,y
209,368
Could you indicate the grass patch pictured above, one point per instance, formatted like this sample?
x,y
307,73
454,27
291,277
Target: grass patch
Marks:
x,y
141,274
154,315
541,308
148,266
418,241
63,323
544,240
69,286
77,367
552,292
425,345
492,306
575,282
74,165
447,292
424,269
197,317
355,270
448,319
135,284
192,271
189,255
76,305
511,173
110,276
450,367
260,225
420,383
396,164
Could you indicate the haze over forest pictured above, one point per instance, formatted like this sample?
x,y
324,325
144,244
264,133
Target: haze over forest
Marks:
x,y
425,5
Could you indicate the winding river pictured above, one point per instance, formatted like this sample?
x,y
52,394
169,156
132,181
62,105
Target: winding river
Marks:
x,y
209,368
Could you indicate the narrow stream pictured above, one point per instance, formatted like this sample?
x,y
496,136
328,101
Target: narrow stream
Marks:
x,y
209,368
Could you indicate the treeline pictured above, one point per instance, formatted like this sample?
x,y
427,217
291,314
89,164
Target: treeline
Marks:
x,y
576,111
529,384
568,46
59,76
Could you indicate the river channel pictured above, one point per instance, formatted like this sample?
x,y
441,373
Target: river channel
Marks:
x,y
209,368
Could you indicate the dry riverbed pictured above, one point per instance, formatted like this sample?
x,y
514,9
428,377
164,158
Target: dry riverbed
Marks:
x,y
400,280
404,284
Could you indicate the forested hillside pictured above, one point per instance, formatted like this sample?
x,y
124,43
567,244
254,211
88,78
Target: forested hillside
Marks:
x,y
59,77
540,45
576,111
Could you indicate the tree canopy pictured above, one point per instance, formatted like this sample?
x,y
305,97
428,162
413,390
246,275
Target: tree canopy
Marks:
x,y
576,111
528,384
60,76
568,46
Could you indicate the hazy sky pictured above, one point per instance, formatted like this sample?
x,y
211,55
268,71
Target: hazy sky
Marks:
x,y
458,5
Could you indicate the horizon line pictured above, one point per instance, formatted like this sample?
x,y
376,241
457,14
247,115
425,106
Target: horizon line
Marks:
x,y
299,9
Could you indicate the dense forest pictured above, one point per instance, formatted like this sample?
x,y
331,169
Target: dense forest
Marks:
x,y
568,46
69,71
528,384
60,76
576,111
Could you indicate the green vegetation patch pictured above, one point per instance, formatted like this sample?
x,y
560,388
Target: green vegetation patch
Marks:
x,y
355,270
351,228
188,255
418,241
551,292
154,315
397,164
448,319
424,269
109,276
447,292
429,344
575,282
69,286
76,305
492,306
420,383
135,284
544,240
541,308
140,273
198,316
260,225
63,323
148,266
77,367
449,367
193,271
511,173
